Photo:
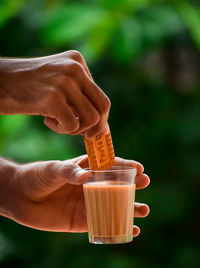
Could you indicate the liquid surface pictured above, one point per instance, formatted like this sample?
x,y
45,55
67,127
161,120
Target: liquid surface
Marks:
x,y
109,208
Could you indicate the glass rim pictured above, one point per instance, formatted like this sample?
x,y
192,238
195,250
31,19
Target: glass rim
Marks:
x,y
113,169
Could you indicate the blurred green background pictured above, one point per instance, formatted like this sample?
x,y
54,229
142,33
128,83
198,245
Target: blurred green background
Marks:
x,y
146,56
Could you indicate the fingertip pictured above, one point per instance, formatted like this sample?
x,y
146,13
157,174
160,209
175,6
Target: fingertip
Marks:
x,y
81,176
145,210
136,231
140,168
147,179
142,181
141,210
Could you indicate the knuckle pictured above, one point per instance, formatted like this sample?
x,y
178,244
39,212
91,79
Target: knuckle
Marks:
x,y
51,164
50,169
76,67
76,55
105,106
107,103
69,167
69,170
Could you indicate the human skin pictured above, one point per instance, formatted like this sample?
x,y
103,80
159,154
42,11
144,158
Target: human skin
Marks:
x,y
58,87
49,195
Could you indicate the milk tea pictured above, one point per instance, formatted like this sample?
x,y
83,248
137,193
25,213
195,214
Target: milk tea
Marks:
x,y
109,206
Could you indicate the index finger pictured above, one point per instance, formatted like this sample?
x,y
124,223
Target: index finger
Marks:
x,y
129,163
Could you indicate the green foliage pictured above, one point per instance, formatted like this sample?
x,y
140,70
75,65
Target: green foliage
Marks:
x,y
36,143
192,18
69,23
17,122
8,8
145,55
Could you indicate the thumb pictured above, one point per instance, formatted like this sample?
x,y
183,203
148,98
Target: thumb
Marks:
x,y
58,173
40,179
73,173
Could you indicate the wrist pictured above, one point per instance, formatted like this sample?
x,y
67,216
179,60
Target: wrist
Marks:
x,y
7,103
16,86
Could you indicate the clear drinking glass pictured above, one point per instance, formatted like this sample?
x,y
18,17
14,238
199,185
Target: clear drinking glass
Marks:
x,y
109,198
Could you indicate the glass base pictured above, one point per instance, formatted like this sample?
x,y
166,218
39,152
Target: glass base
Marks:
x,y
110,240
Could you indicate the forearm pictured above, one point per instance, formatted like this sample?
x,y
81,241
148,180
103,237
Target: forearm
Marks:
x,y
17,86
8,86
7,189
